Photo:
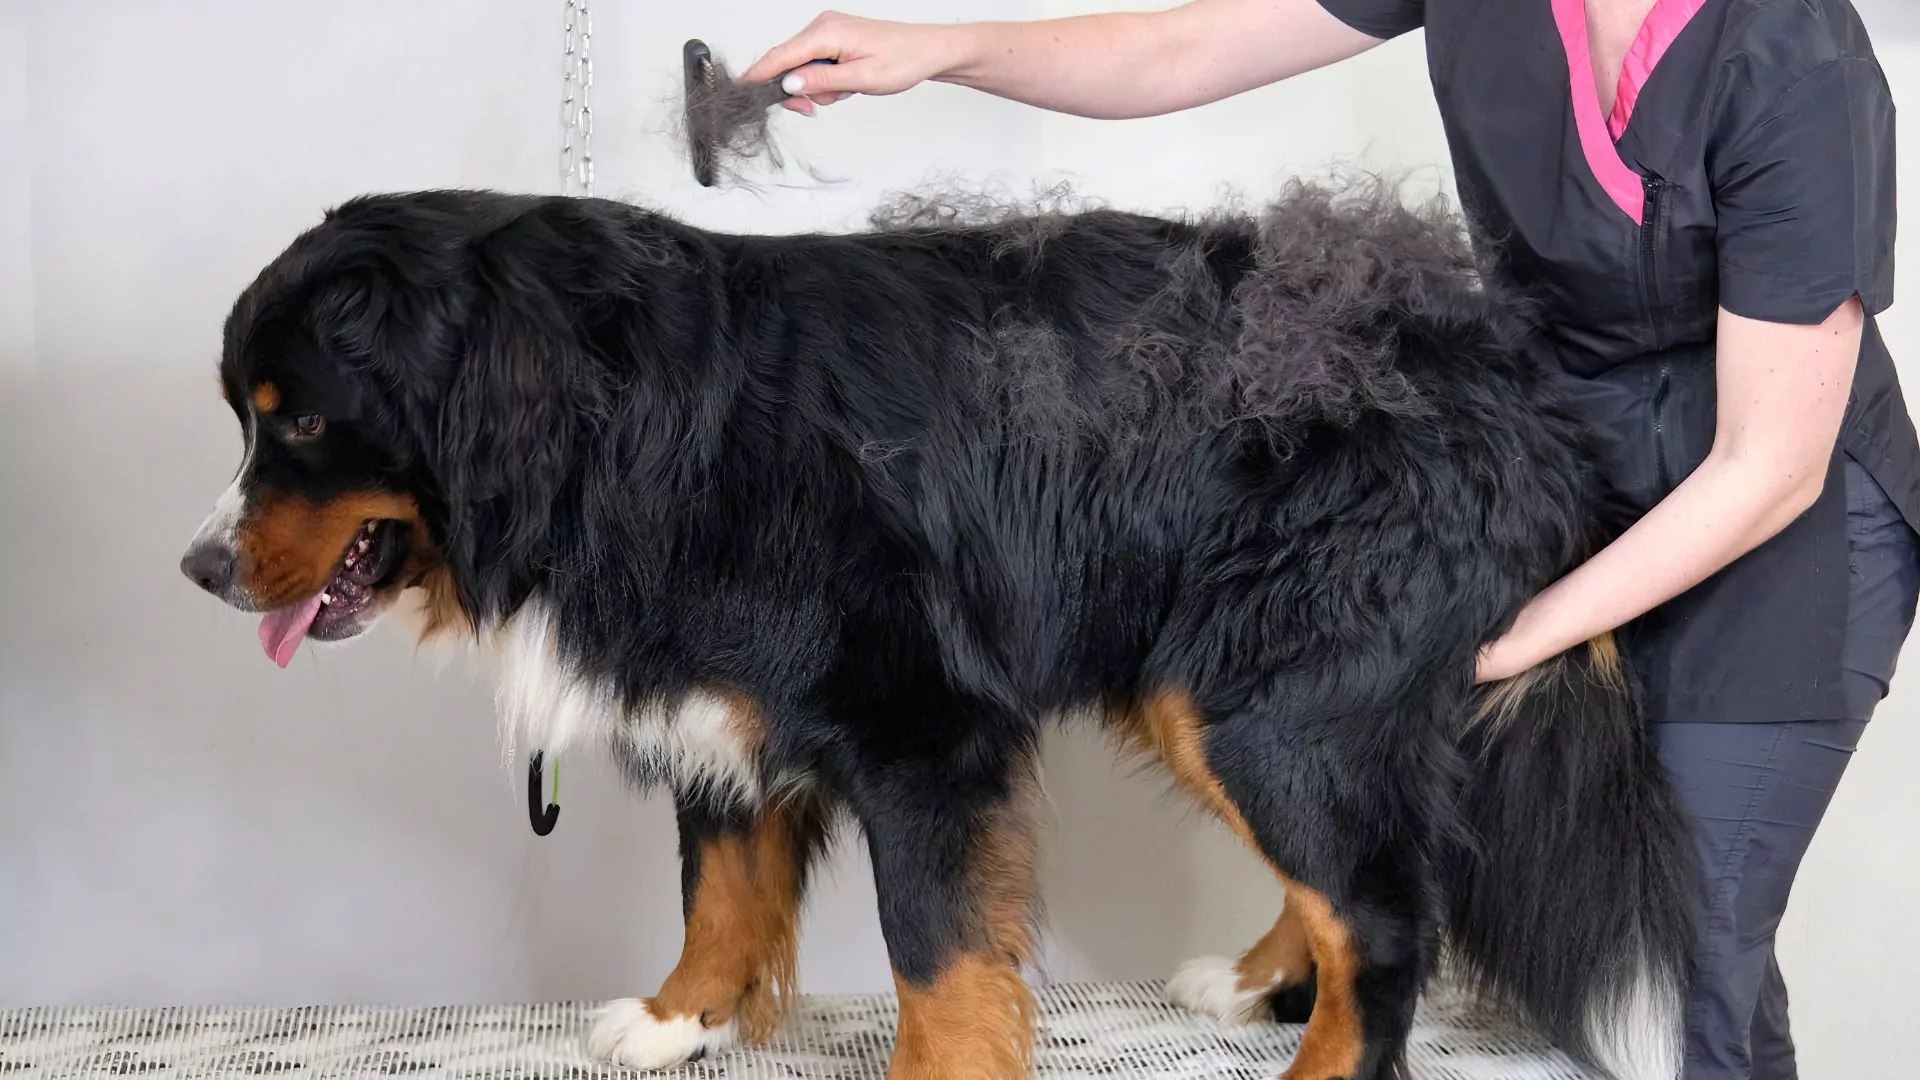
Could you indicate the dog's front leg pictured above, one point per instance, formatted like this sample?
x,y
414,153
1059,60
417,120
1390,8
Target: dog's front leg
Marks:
x,y
954,872
743,875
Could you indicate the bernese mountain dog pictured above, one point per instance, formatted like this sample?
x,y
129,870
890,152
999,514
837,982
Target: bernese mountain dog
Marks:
x,y
818,526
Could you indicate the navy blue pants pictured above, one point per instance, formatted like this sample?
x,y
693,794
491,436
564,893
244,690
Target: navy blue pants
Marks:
x,y
1757,791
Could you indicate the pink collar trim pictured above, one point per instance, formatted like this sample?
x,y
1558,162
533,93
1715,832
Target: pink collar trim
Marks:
x,y
1598,133
1663,24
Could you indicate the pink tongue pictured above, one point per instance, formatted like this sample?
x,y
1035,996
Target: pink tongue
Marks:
x,y
282,631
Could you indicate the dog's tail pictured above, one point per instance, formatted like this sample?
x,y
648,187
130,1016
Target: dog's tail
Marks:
x,y
1574,900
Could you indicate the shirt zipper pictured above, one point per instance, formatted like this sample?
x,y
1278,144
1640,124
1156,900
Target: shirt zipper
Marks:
x,y
1650,225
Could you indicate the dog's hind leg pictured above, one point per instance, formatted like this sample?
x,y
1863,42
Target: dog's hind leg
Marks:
x,y
1357,889
953,863
743,874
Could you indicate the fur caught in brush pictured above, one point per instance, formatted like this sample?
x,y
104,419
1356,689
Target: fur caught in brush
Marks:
x,y
722,120
819,526
725,123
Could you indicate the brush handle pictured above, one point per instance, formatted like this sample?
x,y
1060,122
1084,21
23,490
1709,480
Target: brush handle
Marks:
x,y
695,57
772,94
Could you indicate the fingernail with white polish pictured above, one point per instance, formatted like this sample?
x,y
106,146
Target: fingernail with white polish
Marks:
x,y
792,84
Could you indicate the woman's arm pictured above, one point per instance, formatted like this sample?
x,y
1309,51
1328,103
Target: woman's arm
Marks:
x,y
1782,390
1112,66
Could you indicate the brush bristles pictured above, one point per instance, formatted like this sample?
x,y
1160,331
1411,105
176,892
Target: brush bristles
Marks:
x,y
725,121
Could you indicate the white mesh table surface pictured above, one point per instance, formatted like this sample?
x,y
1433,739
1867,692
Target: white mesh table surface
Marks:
x,y
1087,1031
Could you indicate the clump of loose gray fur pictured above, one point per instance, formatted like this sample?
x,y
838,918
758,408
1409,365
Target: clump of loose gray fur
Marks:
x,y
1308,332
724,122
1336,274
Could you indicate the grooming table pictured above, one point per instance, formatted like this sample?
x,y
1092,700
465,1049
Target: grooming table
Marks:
x,y
1088,1031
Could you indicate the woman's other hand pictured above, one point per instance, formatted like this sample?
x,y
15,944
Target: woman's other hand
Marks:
x,y
1497,662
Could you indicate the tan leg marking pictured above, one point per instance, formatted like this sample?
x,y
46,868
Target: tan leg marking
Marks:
x,y
976,1020
1280,959
1334,1042
740,957
1165,725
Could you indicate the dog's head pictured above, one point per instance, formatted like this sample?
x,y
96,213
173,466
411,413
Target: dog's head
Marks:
x,y
402,376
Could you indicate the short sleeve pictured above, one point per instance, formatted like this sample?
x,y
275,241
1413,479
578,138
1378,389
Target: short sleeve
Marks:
x,y
1805,200
1379,18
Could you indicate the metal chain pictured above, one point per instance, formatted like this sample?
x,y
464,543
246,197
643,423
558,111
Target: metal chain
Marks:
x,y
576,177
576,102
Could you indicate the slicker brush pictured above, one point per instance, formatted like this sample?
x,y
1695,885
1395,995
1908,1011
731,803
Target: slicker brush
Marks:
x,y
725,121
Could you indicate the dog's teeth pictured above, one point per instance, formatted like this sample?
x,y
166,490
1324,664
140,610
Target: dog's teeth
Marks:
x,y
326,598
362,545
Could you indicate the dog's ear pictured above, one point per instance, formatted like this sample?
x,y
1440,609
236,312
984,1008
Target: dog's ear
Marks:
x,y
529,390
510,424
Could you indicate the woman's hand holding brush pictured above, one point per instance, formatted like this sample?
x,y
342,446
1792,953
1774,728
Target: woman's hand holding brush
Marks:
x,y
870,57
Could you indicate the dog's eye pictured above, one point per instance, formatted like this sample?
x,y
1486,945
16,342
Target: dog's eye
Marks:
x,y
309,425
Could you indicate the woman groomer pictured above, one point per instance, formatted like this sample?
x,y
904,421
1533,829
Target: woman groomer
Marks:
x,y
1702,193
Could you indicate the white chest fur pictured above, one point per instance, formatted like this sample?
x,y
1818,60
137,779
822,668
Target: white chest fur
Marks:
x,y
699,741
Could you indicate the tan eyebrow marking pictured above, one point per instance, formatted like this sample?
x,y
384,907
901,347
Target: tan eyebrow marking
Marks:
x,y
266,397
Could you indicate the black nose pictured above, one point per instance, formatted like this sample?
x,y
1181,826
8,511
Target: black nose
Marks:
x,y
209,566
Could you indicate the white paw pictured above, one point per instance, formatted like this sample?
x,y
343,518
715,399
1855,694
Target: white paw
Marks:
x,y
625,1032
1211,985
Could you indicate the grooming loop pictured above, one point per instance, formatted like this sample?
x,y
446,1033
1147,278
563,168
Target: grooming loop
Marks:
x,y
541,813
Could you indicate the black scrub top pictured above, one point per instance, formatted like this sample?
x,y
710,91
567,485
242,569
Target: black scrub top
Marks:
x,y
1748,163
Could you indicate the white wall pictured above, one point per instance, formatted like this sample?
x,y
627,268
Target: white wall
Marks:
x,y
16,264
187,823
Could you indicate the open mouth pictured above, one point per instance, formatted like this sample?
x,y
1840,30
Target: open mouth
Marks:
x,y
370,560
